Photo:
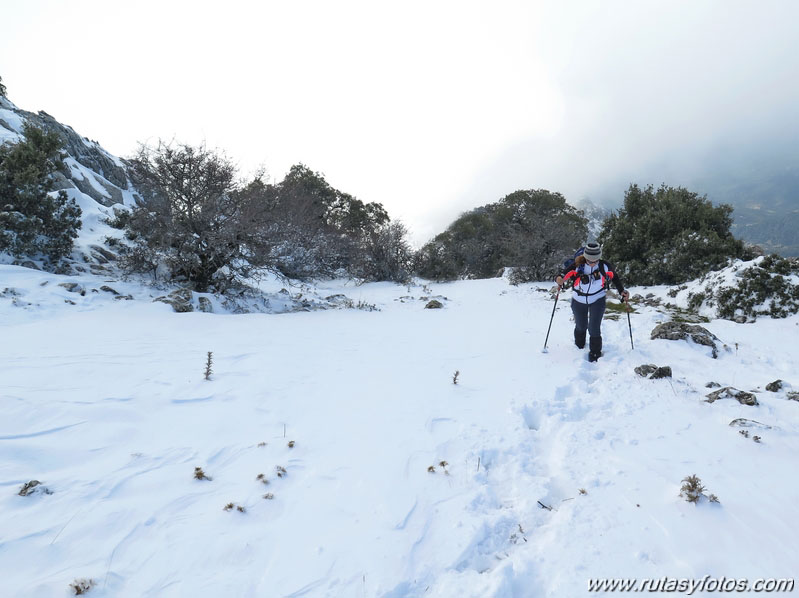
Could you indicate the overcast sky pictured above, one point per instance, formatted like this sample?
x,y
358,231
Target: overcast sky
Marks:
x,y
429,107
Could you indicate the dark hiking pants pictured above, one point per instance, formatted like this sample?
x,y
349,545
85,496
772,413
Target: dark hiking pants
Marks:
x,y
588,317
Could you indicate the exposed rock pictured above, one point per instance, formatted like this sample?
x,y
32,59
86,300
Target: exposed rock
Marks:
x,y
728,392
102,255
30,264
179,299
775,386
434,304
72,287
654,372
742,422
34,487
674,331
712,385
792,395
661,372
124,297
650,300
205,305
99,270
108,289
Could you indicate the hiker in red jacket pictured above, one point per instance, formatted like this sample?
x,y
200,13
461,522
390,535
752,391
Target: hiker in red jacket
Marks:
x,y
590,274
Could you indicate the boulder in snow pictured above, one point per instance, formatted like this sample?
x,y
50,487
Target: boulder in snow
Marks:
x,y
653,372
728,392
33,487
675,331
775,386
179,299
742,422
72,287
205,305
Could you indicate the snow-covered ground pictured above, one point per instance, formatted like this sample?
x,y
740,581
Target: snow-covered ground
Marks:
x,y
105,403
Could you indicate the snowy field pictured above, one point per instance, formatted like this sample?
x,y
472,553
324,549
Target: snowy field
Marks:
x,y
557,470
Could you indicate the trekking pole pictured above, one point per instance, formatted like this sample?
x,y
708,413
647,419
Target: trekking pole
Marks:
x,y
550,319
630,326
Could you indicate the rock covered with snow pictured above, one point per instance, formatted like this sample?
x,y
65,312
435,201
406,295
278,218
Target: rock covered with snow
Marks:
x,y
728,392
675,331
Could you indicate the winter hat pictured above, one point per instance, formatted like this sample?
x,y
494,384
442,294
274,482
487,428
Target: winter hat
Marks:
x,y
593,252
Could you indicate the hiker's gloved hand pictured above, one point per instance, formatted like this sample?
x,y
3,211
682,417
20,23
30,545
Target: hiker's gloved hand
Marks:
x,y
625,296
559,282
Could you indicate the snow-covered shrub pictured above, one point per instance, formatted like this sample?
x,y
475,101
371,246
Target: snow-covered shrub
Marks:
x,y
693,490
767,286
35,220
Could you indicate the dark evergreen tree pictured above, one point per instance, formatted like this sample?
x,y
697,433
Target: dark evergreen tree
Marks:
x,y
34,219
668,236
529,230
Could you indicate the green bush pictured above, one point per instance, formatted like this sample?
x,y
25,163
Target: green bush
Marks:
x,y
529,230
668,236
34,220
767,287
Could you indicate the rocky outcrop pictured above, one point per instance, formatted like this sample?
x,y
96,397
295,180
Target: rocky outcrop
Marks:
x,y
33,487
653,372
742,422
775,386
108,173
205,305
434,304
73,287
675,331
728,392
179,299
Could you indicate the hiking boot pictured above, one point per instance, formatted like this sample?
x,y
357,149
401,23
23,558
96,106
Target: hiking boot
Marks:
x,y
579,338
594,348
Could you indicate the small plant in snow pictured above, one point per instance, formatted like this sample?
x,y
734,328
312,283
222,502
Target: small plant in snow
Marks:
x,y
241,509
230,506
693,490
744,433
81,586
199,474
455,376
583,491
269,496
208,364
756,439
516,538
281,471
261,444
291,444
262,478
431,469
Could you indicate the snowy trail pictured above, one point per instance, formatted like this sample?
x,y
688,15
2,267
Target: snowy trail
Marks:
x,y
109,409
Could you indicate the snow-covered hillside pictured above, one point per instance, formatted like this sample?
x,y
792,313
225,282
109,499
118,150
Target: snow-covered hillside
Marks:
x,y
547,471
532,475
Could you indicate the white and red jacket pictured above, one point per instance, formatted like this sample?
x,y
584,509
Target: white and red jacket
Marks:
x,y
590,282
